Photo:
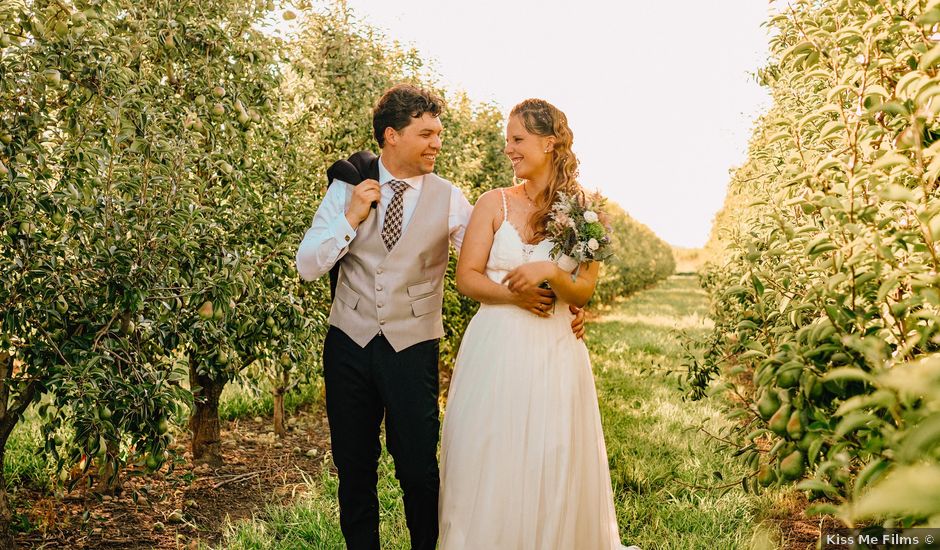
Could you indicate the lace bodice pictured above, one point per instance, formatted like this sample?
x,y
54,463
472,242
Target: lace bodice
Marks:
x,y
509,251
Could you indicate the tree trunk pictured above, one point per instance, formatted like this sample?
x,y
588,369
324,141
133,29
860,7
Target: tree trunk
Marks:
x,y
280,388
10,414
6,512
109,476
279,412
204,422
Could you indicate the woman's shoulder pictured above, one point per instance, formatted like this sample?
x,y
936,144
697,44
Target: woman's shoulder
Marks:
x,y
492,198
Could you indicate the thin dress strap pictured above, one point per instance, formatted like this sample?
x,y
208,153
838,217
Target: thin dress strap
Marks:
x,y
505,211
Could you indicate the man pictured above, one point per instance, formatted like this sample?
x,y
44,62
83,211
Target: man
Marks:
x,y
380,356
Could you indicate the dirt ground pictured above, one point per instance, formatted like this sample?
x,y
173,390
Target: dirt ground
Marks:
x,y
189,505
798,531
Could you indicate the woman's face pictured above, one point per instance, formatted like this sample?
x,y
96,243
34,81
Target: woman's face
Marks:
x,y
526,151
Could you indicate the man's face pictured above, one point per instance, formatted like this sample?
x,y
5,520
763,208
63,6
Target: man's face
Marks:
x,y
415,147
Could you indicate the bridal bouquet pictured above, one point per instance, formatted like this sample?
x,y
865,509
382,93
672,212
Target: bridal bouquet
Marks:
x,y
580,231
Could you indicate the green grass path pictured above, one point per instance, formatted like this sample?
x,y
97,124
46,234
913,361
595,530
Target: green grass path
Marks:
x,y
655,448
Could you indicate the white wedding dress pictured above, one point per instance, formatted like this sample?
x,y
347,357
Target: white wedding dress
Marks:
x,y
523,462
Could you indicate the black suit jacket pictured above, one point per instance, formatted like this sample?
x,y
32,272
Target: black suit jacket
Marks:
x,y
363,165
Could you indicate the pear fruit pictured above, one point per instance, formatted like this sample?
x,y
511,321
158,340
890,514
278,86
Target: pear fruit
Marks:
x,y
789,375
792,466
766,475
768,405
778,422
206,310
795,426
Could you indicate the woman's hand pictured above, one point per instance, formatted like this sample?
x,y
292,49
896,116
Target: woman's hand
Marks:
x,y
528,276
535,300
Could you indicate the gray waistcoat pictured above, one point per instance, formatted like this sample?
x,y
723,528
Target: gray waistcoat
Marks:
x,y
398,292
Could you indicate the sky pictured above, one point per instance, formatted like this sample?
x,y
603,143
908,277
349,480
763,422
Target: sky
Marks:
x,y
661,100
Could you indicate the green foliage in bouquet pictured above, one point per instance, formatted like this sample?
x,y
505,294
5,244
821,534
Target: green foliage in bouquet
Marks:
x,y
578,229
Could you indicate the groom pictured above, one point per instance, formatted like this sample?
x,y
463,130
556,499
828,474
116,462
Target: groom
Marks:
x,y
390,236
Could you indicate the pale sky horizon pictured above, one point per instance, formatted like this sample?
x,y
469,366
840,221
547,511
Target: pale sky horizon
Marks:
x,y
661,106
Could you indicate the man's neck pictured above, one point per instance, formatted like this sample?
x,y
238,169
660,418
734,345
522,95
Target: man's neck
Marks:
x,y
395,168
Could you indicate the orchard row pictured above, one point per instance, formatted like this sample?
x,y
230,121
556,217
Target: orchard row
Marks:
x,y
824,266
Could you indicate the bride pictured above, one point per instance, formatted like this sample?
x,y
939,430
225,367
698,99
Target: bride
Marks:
x,y
523,462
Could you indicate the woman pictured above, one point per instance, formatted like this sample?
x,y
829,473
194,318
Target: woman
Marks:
x,y
523,462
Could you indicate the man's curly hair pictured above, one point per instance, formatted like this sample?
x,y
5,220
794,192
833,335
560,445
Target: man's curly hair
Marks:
x,y
398,105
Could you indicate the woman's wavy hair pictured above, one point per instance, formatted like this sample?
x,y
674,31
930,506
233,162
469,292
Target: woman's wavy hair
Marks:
x,y
544,119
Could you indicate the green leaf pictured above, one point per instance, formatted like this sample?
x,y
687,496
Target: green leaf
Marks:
x,y
932,172
868,474
930,17
855,421
880,399
890,160
816,485
830,130
921,440
758,286
822,509
895,192
778,137
848,373
907,491
827,163
796,50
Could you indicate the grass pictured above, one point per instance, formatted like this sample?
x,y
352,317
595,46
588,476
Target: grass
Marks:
x,y
244,401
656,452
313,522
25,462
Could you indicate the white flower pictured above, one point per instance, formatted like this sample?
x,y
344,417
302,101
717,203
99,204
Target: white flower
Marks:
x,y
590,216
593,244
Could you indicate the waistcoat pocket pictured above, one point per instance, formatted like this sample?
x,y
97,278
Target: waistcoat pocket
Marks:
x,y
420,289
347,295
427,305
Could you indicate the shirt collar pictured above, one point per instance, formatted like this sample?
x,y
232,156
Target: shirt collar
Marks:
x,y
385,176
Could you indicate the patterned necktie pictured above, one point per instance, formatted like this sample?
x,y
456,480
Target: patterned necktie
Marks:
x,y
391,229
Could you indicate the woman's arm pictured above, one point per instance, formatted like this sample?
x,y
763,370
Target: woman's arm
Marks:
x,y
471,265
576,292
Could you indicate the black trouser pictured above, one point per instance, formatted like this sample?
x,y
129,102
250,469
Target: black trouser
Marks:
x,y
362,386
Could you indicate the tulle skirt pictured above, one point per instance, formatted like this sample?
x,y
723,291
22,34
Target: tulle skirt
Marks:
x,y
523,461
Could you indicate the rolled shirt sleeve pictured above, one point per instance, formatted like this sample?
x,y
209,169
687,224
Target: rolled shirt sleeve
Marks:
x,y
458,217
329,235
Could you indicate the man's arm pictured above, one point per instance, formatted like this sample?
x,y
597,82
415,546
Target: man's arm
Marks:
x,y
459,216
329,236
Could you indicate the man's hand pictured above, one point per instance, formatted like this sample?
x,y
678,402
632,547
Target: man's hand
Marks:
x,y
360,204
536,300
577,324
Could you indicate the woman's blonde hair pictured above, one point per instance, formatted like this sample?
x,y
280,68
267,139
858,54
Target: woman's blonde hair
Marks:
x,y
544,119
